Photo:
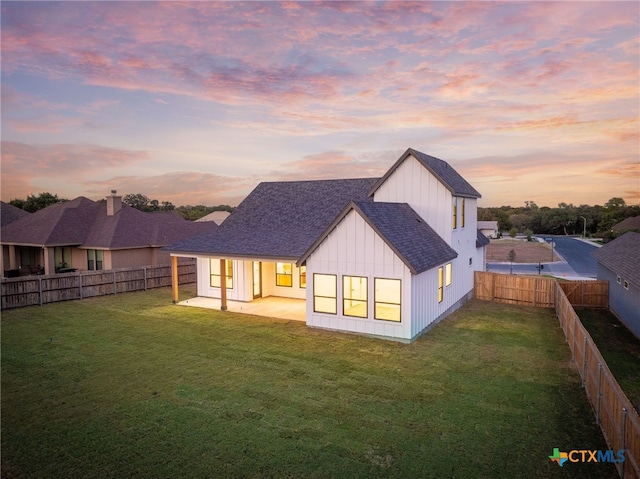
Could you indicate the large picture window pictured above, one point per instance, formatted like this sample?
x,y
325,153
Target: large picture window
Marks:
x,y
214,264
387,299
354,293
325,287
95,259
62,256
284,274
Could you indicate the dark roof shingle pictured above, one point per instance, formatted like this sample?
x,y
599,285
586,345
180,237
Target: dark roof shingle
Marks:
x,y
622,257
10,213
449,177
279,219
418,246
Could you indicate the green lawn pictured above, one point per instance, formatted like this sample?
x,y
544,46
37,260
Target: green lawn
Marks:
x,y
133,386
619,348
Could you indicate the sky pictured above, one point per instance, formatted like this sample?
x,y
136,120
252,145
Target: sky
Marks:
x,y
198,102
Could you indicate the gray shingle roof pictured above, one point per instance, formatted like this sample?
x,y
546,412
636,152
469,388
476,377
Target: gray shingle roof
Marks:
x,y
82,222
402,229
279,219
449,177
10,213
482,240
622,257
631,223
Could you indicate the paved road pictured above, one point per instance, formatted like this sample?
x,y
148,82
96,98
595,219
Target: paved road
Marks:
x,y
577,253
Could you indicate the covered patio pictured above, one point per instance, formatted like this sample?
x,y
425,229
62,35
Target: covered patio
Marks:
x,y
271,306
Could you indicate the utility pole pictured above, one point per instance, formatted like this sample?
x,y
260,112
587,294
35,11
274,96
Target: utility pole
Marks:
x,y
584,234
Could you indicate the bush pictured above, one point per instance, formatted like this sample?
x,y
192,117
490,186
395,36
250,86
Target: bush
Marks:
x,y
513,232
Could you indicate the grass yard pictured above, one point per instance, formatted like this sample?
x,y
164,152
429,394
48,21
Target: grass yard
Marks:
x,y
526,251
133,386
619,348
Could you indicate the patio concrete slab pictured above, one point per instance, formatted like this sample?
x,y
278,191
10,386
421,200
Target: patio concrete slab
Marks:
x,y
272,306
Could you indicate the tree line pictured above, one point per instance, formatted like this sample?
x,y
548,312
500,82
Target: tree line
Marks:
x,y
139,201
566,219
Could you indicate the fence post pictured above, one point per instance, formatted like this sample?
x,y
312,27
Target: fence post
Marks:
x,y
145,277
599,392
80,283
584,361
40,290
623,433
573,338
115,286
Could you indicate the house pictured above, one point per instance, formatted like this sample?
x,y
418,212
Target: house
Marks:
x,y
387,257
85,235
488,228
10,213
628,224
617,262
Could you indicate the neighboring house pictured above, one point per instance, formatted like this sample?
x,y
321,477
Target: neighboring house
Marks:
x,y
217,216
383,256
628,224
85,235
10,213
618,263
488,228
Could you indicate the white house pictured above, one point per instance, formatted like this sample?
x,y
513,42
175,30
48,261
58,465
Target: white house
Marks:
x,y
383,256
488,228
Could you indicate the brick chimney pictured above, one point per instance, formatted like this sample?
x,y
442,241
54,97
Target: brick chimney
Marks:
x,y
114,203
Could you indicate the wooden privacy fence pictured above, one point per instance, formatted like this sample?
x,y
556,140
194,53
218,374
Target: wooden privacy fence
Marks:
x,y
618,419
538,291
39,290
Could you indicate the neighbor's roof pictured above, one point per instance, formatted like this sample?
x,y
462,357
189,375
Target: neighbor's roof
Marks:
x,y
631,223
85,223
418,246
481,240
487,225
449,177
10,213
278,219
622,256
217,216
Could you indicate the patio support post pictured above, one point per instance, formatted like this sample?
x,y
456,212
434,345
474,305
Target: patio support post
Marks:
x,y
174,278
223,285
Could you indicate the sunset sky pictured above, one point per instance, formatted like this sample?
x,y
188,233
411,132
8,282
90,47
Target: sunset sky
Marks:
x,y
197,102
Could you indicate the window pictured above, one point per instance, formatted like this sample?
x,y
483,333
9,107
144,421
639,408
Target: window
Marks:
x,y
387,299
325,293
618,280
462,215
62,256
354,294
455,213
284,275
214,264
626,284
448,273
440,284
303,276
94,259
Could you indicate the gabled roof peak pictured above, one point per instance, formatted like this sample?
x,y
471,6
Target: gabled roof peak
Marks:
x,y
442,170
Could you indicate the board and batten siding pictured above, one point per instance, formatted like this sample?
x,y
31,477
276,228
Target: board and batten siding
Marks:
x,y
242,286
353,248
412,183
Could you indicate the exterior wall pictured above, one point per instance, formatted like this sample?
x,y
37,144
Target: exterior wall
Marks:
x,y
353,248
412,183
243,281
624,303
129,258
